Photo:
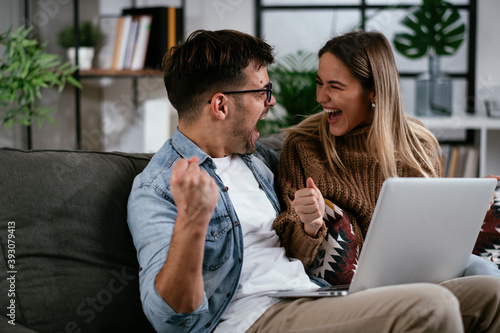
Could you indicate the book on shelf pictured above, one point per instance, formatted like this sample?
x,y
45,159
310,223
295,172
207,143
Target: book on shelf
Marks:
x,y
460,160
141,44
452,165
126,41
118,41
139,37
108,25
445,159
121,42
167,29
472,163
463,151
131,39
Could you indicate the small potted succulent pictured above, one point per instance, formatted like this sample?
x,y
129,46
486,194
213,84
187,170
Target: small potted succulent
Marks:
x,y
90,39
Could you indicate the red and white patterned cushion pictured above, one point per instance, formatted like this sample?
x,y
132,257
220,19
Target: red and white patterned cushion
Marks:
x,y
488,241
338,253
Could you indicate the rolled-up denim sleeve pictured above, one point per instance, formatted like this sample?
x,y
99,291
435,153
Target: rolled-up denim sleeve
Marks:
x,y
151,218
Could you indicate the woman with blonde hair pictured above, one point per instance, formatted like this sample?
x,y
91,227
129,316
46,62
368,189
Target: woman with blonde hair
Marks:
x,y
344,153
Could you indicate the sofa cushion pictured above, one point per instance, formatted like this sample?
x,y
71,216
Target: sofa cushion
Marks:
x,y
488,241
75,266
338,253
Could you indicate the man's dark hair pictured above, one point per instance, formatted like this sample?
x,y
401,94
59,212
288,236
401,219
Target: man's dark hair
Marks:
x,y
209,62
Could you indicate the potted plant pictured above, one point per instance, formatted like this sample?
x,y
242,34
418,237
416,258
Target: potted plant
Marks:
x,y
435,30
90,38
294,87
24,70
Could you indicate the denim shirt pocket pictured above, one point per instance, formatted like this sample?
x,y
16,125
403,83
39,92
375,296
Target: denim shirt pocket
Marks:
x,y
218,243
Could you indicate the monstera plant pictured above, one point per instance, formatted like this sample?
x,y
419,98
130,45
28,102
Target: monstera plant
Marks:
x,y
435,26
435,29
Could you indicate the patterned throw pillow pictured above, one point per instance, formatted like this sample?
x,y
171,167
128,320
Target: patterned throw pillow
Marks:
x,y
488,241
338,253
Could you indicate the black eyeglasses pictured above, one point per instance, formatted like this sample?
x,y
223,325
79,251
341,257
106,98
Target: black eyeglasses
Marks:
x,y
269,91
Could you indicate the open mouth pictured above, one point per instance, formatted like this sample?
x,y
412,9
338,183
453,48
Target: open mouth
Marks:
x,y
263,115
256,133
334,115
333,112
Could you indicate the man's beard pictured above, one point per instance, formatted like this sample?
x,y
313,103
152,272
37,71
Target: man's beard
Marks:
x,y
243,141
242,136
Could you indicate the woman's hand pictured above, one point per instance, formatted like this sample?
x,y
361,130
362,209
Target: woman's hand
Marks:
x,y
310,207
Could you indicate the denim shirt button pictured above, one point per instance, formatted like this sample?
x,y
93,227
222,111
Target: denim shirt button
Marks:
x,y
239,260
207,325
226,188
212,232
228,295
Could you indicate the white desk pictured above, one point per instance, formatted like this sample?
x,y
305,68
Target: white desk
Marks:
x,y
489,137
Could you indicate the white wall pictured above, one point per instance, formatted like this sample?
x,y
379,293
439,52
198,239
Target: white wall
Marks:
x,y
488,54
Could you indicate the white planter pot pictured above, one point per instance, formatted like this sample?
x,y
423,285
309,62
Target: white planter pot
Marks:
x,y
85,57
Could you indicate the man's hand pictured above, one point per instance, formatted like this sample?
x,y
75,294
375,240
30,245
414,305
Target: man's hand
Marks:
x,y
195,192
310,207
180,281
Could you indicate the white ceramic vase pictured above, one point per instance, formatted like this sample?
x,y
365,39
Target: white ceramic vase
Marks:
x,y
85,57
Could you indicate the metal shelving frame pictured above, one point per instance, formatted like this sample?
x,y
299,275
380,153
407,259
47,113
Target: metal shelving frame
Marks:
x,y
79,75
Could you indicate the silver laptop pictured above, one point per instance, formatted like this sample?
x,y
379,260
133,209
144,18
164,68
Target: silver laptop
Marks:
x,y
422,230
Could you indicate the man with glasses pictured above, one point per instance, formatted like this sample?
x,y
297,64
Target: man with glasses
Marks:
x,y
201,214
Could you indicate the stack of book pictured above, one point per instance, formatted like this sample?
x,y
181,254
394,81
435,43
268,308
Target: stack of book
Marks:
x,y
139,37
460,160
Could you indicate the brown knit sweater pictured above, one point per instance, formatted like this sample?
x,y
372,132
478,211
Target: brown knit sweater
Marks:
x,y
355,191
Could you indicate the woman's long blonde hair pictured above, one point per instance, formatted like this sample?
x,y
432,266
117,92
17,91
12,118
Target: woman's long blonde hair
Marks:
x,y
369,57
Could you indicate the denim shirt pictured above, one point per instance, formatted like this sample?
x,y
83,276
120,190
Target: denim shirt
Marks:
x,y
151,218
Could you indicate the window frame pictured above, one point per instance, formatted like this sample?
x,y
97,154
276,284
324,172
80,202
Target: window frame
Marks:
x,y
471,8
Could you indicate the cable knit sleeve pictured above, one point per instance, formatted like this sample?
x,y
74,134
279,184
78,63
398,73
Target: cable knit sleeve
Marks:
x,y
290,229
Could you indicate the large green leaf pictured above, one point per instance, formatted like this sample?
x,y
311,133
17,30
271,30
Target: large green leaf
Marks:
x,y
435,27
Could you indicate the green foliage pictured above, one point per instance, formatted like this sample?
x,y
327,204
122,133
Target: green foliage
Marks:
x,y
24,70
90,36
435,27
294,87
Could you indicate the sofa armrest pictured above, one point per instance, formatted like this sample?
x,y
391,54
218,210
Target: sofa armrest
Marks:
x,y
17,328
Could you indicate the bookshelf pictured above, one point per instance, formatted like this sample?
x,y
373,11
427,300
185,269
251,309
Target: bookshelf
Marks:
x,y
80,75
487,138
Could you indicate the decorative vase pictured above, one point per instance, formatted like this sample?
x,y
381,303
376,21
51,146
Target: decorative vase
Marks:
x,y
434,90
85,57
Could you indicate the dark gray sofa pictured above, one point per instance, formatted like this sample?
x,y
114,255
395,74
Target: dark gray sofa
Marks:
x,y
63,229
63,224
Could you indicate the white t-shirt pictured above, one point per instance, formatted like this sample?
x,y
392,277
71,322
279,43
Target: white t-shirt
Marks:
x,y
265,264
